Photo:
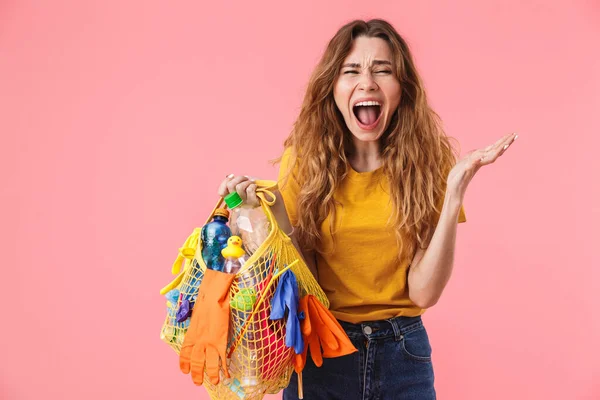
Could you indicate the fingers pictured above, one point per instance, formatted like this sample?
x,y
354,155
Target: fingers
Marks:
x,y
184,359
223,191
245,186
229,184
251,197
508,142
300,360
234,182
491,153
323,330
501,141
242,188
333,326
198,360
212,364
315,350
504,142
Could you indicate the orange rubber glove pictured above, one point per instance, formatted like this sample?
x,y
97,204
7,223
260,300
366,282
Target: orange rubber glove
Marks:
x,y
206,338
320,329
310,339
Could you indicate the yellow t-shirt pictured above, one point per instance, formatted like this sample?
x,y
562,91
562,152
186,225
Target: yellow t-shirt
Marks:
x,y
361,276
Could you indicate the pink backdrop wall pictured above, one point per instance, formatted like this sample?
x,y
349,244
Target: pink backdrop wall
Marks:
x,y
118,120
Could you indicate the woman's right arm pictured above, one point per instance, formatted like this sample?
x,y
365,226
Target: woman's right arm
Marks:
x,y
283,220
286,212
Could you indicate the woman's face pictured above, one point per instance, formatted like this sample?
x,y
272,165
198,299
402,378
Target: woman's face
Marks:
x,y
367,92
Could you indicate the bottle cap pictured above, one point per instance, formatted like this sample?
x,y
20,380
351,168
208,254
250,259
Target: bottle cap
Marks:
x,y
233,200
222,212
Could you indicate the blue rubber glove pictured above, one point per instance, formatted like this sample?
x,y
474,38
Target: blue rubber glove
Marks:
x,y
286,296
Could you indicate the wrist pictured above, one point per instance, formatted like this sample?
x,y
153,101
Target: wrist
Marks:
x,y
453,202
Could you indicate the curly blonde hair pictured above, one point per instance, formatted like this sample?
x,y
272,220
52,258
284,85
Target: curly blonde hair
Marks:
x,y
416,153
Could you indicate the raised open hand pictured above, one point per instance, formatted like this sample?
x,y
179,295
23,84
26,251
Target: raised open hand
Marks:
x,y
464,170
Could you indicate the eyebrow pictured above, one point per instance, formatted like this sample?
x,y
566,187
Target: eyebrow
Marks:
x,y
375,62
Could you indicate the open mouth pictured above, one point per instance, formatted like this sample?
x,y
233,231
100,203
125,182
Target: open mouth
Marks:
x,y
367,115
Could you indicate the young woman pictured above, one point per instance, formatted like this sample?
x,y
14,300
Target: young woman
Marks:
x,y
371,194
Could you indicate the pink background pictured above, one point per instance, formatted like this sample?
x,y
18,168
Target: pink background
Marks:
x,y
119,119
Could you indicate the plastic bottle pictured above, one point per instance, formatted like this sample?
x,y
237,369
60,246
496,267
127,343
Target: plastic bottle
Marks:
x,y
245,366
214,237
234,254
249,223
252,225
232,384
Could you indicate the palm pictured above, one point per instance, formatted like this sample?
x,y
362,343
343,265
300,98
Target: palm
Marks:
x,y
464,170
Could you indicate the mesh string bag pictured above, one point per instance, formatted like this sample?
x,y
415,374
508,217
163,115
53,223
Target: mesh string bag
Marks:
x,y
258,360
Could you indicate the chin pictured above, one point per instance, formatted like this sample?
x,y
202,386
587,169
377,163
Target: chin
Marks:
x,y
366,136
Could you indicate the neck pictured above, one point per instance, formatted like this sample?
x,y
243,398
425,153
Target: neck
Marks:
x,y
365,157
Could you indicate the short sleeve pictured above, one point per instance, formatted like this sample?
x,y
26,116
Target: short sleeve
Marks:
x,y
288,185
462,217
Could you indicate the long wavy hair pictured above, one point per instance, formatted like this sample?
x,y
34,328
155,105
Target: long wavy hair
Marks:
x,y
416,154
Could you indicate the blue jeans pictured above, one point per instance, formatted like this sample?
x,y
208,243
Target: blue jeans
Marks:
x,y
393,362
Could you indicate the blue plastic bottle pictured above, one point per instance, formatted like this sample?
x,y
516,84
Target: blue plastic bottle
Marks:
x,y
214,237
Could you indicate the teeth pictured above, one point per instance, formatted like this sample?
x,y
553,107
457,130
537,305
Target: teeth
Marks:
x,y
367,103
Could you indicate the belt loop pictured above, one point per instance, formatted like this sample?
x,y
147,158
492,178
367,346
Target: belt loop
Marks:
x,y
396,328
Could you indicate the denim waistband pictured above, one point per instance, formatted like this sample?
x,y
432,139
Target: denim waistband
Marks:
x,y
394,327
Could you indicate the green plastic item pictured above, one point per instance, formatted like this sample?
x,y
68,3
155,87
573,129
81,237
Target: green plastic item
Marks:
x,y
244,299
233,200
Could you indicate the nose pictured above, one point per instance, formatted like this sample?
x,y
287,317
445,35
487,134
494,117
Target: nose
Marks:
x,y
367,83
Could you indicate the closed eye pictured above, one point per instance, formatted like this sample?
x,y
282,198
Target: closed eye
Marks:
x,y
385,72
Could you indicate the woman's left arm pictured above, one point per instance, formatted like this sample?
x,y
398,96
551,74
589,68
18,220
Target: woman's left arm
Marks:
x,y
431,267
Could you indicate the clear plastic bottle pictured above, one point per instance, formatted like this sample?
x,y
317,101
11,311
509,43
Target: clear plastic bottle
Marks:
x,y
245,364
252,226
234,254
249,223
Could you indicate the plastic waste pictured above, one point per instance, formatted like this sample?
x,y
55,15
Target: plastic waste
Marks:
x,y
244,299
247,368
252,226
249,223
234,254
286,299
169,332
214,236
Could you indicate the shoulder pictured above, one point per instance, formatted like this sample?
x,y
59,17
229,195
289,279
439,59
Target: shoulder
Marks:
x,y
289,156
288,169
289,162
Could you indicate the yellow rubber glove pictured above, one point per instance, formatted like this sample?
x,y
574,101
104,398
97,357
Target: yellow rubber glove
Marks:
x,y
206,339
